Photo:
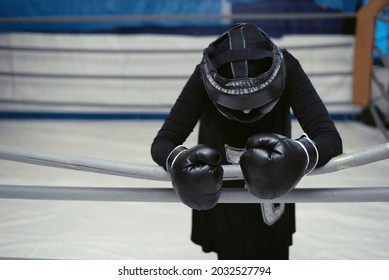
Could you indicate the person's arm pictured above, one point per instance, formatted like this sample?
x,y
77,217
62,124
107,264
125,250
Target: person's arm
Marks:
x,y
311,112
196,173
181,119
273,164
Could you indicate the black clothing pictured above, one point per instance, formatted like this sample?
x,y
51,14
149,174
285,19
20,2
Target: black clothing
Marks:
x,y
238,230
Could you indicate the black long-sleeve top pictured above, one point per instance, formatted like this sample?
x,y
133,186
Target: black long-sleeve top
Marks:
x,y
235,228
299,95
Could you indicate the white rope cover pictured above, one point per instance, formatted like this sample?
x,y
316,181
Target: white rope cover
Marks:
x,y
153,172
298,195
149,172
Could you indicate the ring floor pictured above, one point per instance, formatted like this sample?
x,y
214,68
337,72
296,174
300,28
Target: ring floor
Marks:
x,y
39,229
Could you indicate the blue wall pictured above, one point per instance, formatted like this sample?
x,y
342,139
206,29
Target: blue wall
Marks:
x,y
85,8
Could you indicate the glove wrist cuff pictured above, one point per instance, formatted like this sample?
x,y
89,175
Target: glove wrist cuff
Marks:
x,y
311,151
173,156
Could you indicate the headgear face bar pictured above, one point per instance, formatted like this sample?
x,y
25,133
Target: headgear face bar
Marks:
x,y
251,83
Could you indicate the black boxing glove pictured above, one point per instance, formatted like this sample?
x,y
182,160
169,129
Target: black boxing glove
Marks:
x,y
273,164
196,175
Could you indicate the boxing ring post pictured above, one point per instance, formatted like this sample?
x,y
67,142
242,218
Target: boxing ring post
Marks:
x,y
149,172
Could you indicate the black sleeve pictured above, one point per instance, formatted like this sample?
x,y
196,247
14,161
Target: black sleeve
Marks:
x,y
310,112
181,119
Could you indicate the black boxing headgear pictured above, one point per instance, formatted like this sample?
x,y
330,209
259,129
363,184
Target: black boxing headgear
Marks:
x,y
243,70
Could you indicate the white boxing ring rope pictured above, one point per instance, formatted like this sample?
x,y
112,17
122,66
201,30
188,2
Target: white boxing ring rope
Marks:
x,y
302,195
150,172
